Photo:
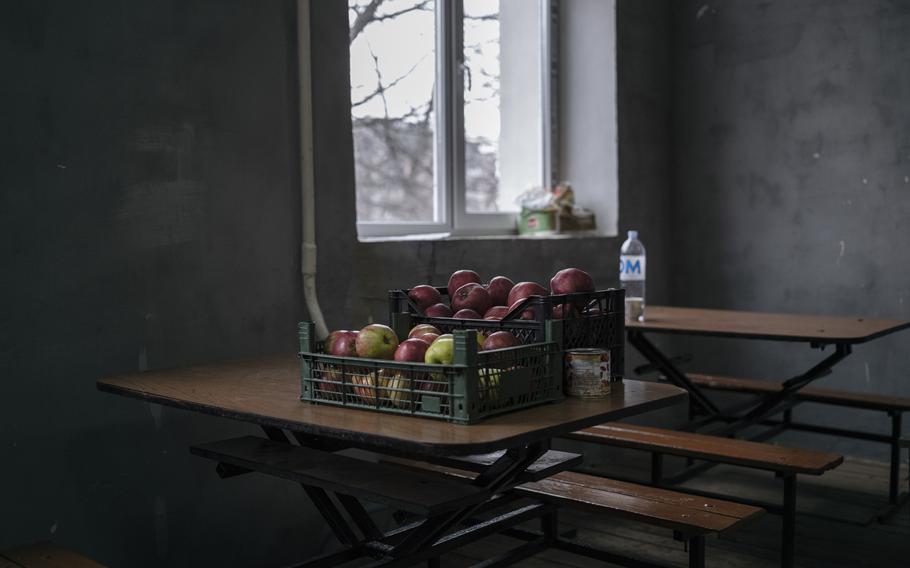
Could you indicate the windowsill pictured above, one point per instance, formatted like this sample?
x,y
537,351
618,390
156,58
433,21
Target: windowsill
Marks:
x,y
510,237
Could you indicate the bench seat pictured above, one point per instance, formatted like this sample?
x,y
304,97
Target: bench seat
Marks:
x,y
835,397
693,516
710,448
44,555
415,492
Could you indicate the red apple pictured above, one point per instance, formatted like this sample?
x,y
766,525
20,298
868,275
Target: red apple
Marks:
x,y
377,341
496,313
459,278
500,340
428,337
424,296
467,314
525,315
418,330
499,288
524,290
438,311
341,343
570,281
411,350
471,296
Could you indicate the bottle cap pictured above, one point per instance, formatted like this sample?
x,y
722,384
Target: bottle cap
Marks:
x,y
633,235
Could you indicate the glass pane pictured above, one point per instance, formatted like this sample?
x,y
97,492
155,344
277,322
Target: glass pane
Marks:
x,y
393,66
502,102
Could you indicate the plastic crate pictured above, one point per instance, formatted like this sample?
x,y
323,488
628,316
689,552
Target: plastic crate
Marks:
x,y
599,322
477,385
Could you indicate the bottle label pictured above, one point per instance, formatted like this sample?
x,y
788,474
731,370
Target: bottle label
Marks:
x,y
631,267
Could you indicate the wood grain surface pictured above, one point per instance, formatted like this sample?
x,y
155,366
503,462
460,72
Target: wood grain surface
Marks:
x,y
711,448
760,325
45,555
266,391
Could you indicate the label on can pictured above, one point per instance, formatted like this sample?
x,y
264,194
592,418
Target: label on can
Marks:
x,y
587,373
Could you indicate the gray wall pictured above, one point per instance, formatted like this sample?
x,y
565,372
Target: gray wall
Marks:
x,y
791,147
151,218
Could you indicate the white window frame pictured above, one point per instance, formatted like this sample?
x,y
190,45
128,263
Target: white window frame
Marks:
x,y
451,217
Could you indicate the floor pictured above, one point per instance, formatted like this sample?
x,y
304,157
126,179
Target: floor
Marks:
x,y
851,494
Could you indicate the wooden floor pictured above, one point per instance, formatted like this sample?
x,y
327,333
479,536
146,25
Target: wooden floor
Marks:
x,y
851,494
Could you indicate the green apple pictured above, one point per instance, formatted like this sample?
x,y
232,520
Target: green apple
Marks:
x,y
376,341
442,351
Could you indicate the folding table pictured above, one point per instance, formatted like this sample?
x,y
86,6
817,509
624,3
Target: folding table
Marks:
x,y
266,392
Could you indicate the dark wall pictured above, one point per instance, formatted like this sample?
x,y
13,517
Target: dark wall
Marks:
x,y
791,178
150,218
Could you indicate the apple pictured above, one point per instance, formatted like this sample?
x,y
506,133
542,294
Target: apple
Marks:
x,y
429,338
496,313
468,314
524,290
459,278
489,383
438,311
423,328
364,376
396,387
525,315
572,281
377,341
500,340
471,296
499,288
411,350
341,343
442,352
424,296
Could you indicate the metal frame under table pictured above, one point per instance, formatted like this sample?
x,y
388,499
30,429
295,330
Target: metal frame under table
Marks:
x,y
819,332
266,392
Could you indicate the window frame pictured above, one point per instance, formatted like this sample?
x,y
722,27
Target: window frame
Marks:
x,y
451,217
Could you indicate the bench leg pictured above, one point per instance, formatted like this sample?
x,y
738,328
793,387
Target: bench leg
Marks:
x,y
549,526
788,538
657,468
696,546
895,477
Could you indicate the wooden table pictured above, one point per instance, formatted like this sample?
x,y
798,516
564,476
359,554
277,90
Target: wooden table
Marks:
x,y
266,392
818,331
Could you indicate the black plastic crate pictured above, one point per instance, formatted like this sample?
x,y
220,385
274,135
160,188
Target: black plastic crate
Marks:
x,y
598,320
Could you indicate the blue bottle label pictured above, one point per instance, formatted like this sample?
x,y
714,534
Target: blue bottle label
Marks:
x,y
631,267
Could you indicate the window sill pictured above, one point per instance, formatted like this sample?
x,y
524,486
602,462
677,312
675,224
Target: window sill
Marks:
x,y
512,237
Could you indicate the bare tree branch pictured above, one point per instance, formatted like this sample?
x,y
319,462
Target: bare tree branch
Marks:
x,y
380,88
364,17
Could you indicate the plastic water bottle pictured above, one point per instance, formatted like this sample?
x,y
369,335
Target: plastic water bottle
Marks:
x,y
632,276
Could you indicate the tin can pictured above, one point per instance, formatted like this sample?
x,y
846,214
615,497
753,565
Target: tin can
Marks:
x,y
587,373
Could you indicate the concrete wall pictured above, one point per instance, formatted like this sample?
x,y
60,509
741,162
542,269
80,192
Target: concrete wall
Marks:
x,y
150,218
791,180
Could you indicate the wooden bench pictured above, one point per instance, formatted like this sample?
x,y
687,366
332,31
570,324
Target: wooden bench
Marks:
x,y
692,517
416,492
786,463
894,406
44,555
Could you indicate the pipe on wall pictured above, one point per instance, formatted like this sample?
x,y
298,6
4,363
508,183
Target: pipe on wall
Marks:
x,y
307,183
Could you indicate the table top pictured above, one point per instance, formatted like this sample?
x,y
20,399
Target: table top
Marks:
x,y
760,325
266,391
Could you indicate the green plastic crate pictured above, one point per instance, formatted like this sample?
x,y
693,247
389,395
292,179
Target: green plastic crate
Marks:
x,y
477,385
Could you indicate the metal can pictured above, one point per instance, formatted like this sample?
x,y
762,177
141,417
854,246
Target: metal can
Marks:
x,y
587,373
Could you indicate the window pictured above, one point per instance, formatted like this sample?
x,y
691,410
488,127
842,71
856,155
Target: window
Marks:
x,y
451,112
